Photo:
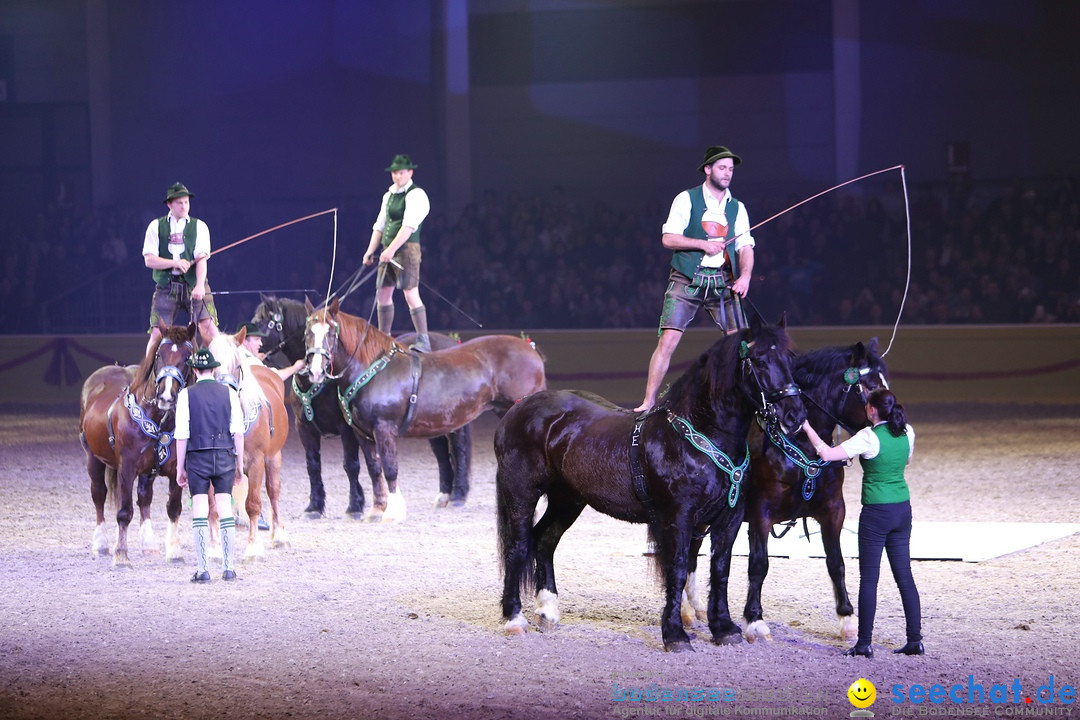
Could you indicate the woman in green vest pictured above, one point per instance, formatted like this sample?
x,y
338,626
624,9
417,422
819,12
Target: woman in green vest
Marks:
x,y
884,449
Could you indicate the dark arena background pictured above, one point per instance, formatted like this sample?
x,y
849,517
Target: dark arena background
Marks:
x,y
551,137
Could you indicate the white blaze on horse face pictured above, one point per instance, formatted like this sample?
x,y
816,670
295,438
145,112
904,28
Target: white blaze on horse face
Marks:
x,y
316,360
170,389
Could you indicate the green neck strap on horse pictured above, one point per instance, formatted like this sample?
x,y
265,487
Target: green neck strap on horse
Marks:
x,y
735,473
811,468
345,398
307,397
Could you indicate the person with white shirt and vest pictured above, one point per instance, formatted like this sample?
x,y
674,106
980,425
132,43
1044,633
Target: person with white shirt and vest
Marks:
x,y
713,259
397,232
884,449
176,247
210,451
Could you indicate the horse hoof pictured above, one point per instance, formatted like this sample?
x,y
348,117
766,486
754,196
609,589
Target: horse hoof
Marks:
x,y
758,630
313,514
175,560
849,628
517,625
457,503
731,639
679,646
442,500
546,623
374,516
358,515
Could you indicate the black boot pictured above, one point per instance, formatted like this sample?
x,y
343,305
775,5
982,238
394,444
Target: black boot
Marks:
x,y
859,649
914,647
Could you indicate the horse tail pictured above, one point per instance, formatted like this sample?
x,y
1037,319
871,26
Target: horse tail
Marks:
x,y
509,543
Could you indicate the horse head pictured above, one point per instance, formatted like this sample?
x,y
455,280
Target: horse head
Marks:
x,y
867,372
170,369
766,357
271,316
321,339
229,351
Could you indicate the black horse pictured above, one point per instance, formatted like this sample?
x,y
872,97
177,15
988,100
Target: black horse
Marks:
x,y
318,415
788,481
678,468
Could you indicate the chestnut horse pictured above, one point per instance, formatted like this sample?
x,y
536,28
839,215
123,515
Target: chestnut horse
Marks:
x,y
678,468
317,415
126,421
262,398
386,392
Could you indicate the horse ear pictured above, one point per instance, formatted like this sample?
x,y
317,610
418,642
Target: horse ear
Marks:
x,y
783,320
264,298
334,306
872,344
308,306
241,336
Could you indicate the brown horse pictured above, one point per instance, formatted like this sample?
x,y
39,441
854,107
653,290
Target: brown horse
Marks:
x,y
126,421
386,392
262,397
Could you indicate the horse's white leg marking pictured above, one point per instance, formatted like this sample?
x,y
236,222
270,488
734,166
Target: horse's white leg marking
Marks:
x,y
100,544
516,625
279,537
442,500
547,610
172,542
757,630
395,507
148,542
693,606
849,628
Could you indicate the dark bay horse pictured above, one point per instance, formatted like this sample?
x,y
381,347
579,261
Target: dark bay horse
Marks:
x,y
788,481
126,422
318,414
678,468
386,392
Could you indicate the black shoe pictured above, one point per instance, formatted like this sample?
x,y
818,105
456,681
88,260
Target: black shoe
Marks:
x,y
912,648
422,344
201,577
263,525
228,575
864,650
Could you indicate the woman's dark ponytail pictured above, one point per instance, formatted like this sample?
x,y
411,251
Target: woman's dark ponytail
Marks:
x,y
889,410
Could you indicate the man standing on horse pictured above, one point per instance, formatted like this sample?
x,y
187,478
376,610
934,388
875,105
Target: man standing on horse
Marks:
x,y
702,223
397,231
207,414
176,248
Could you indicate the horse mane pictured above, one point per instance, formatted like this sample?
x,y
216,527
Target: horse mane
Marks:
x,y
359,338
715,373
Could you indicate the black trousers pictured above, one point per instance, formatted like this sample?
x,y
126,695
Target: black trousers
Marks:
x,y
887,527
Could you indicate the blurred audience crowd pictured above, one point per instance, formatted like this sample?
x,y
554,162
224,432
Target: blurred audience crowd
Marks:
x,y
978,255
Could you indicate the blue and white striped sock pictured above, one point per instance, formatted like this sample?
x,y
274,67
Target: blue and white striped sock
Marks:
x,y
201,526
228,535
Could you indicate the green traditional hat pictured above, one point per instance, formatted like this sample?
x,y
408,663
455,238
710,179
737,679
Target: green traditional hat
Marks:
x,y
717,152
253,330
401,162
203,359
176,190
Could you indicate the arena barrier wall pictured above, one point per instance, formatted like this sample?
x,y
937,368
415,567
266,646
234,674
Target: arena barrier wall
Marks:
x,y
929,364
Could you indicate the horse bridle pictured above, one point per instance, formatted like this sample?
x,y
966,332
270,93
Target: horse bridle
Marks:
x,y
331,340
765,405
169,371
276,324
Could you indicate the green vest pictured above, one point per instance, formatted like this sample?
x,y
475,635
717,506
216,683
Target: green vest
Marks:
x,y
395,216
883,475
687,261
162,277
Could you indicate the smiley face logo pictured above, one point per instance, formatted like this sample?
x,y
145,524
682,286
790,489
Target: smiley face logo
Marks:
x,y
862,693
